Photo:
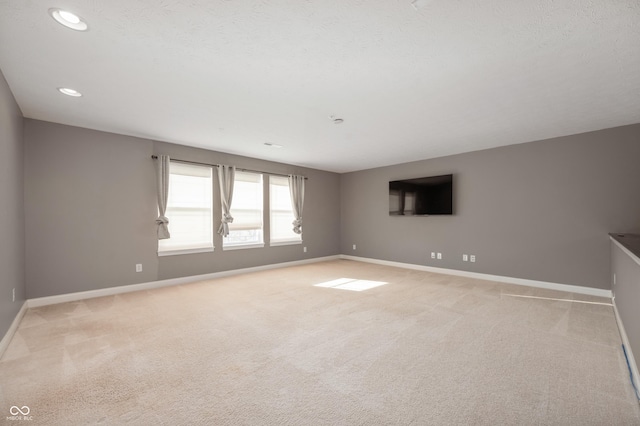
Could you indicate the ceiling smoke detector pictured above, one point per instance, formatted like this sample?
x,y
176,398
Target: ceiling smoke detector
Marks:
x,y
336,120
68,19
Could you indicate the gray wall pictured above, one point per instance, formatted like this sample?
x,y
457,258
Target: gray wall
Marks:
x,y
12,257
91,210
539,211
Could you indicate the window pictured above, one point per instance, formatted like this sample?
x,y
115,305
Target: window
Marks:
x,y
246,209
189,209
281,212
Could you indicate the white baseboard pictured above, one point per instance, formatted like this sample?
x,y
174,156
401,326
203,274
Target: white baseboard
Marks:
x,y
110,291
4,343
498,278
627,346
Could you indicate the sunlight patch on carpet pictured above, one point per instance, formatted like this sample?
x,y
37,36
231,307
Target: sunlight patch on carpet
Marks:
x,y
351,284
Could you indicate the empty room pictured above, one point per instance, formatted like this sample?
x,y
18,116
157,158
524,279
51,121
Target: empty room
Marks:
x,y
337,212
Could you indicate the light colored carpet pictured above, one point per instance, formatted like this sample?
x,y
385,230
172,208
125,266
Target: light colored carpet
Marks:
x,y
272,348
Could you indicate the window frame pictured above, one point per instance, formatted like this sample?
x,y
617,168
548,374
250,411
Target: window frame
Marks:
x,y
280,242
207,247
252,244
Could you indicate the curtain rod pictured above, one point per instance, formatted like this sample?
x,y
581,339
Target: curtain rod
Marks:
x,y
155,157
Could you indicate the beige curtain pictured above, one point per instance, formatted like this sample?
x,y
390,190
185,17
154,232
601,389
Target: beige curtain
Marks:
x,y
226,175
296,190
162,180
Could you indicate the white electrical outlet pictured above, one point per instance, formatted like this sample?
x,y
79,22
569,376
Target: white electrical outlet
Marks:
x,y
465,257
439,256
472,258
304,249
433,255
14,295
354,246
138,267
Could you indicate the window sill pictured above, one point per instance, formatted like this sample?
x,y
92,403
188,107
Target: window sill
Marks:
x,y
284,243
185,251
243,246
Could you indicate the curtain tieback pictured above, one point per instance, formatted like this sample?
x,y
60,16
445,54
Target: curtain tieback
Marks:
x,y
227,218
162,220
297,226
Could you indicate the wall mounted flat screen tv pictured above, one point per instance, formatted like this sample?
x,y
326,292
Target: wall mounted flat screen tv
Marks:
x,y
423,196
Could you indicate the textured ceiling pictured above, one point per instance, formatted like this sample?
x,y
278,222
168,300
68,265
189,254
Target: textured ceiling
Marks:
x,y
452,77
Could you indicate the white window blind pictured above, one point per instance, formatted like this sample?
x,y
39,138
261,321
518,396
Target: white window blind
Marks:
x,y
281,212
189,209
246,209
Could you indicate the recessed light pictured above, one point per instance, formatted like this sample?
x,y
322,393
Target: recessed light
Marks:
x,y
272,145
68,19
69,92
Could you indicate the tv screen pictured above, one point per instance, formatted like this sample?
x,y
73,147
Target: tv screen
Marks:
x,y
424,196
